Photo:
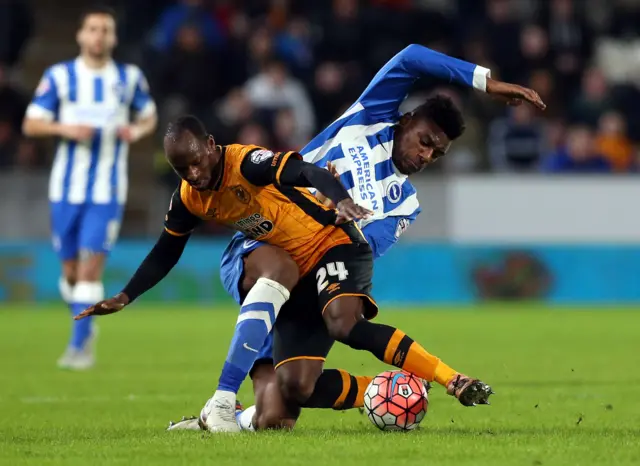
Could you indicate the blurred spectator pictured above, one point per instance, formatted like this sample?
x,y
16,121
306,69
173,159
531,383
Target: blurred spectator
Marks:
x,y
293,45
9,141
274,88
344,35
613,143
570,40
517,142
253,133
284,130
330,93
593,100
534,46
192,12
16,25
579,156
502,31
235,109
13,102
190,71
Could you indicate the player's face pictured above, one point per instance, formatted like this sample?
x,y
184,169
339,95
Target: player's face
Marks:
x,y
194,160
418,143
97,37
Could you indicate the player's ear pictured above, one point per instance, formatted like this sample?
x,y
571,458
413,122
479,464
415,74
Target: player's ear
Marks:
x,y
211,142
405,119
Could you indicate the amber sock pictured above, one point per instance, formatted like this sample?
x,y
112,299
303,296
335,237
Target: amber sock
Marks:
x,y
392,346
337,389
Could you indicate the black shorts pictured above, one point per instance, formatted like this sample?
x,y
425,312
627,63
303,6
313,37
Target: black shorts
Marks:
x,y
300,331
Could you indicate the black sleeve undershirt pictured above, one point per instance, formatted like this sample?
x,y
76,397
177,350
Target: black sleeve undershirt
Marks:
x,y
158,263
302,174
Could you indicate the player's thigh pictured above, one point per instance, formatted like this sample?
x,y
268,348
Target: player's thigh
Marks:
x,y
343,286
270,262
99,230
301,343
65,226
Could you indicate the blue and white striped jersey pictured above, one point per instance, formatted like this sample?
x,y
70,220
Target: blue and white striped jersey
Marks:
x,y
359,143
72,93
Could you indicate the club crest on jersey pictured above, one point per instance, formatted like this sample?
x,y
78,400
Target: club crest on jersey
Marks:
x,y
394,192
260,156
254,226
241,193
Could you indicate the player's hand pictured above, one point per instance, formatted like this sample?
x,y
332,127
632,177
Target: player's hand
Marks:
x,y
129,133
348,210
80,133
514,94
321,197
108,306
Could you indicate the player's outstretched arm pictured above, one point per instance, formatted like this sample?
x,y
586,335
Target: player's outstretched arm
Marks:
x,y
389,87
163,257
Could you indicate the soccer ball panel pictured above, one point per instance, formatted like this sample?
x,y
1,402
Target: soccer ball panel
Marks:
x,y
396,400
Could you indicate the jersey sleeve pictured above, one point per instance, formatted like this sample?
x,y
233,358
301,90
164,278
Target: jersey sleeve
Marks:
x,y
261,167
179,221
389,87
142,102
384,233
46,100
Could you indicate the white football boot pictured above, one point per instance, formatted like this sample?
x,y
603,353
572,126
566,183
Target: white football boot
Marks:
x,y
80,360
219,414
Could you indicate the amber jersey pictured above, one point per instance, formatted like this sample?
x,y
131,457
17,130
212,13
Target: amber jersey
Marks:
x,y
248,197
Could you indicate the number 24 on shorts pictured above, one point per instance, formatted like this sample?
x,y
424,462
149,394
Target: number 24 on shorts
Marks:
x,y
332,269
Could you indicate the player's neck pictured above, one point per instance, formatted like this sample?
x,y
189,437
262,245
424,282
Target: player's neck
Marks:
x,y
94,63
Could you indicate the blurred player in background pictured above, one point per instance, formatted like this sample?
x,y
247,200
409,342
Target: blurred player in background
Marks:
x,y
87,104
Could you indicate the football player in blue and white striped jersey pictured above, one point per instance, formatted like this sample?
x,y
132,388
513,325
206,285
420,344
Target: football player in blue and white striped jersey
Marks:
x,y
373,149
88,104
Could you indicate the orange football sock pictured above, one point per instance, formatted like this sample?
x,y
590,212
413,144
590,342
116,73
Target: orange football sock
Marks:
x,y
410,356
337,389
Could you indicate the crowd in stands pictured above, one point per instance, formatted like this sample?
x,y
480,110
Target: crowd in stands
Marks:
x,y
275,72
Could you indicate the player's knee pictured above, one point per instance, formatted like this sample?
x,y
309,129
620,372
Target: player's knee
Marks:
x,y
90,267
341,315
271,418
296,383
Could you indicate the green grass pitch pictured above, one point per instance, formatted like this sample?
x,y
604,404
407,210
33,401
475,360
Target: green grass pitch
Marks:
x,y
567,383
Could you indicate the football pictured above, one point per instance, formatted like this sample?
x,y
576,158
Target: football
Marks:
x,y
396,400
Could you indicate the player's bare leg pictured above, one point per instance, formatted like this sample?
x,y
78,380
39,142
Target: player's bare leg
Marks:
x,y
269,276
345,321
88,289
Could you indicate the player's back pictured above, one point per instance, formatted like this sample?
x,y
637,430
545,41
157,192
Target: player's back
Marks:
x,y
72,93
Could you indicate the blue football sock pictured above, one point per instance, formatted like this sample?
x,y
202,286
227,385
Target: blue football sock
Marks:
x,y
81,328
85,294
256,319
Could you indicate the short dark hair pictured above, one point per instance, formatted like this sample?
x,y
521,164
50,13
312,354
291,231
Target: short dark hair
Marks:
x,y
443,112
96,10
186,123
